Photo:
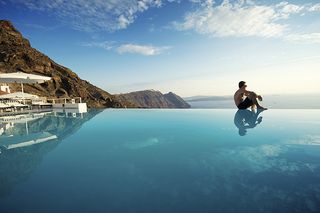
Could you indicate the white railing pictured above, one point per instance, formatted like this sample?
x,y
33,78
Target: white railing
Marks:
x,y
11,103
65,100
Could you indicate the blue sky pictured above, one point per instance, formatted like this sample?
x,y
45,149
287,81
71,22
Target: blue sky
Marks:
x,y
191,47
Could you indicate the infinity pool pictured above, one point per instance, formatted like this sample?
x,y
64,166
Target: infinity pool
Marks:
x,y
161,161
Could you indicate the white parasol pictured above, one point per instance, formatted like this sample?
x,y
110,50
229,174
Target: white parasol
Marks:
x,y
22,78
19,96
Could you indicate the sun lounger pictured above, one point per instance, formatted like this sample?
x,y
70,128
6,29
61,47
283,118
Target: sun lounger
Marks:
x,y
4,107
16,105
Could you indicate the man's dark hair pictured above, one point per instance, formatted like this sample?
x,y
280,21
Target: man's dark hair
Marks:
x,y
241,83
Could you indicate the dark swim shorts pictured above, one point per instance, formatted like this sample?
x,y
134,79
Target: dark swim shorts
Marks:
x,y
245,103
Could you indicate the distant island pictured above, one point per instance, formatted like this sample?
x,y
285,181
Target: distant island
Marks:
x,y
17,55
153,99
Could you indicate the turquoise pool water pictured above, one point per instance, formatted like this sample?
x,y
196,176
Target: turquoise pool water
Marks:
x,y
161,161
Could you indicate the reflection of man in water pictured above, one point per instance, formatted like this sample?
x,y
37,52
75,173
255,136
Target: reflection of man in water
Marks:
x,y
246,119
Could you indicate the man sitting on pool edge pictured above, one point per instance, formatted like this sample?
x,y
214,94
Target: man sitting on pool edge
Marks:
x,y
245,99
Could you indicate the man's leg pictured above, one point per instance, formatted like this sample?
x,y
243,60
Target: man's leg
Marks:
x,y
253,97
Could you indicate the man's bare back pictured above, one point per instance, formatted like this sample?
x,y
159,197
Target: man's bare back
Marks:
x,y
238,96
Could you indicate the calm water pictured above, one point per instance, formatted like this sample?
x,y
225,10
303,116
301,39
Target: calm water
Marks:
x,y
161,161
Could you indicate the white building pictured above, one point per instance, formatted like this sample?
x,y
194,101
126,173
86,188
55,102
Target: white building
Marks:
x,y
5,88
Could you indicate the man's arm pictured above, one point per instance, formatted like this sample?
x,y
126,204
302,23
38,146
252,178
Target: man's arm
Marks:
x,y
249,93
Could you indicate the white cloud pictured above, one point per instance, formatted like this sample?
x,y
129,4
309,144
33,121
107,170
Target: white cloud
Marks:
x,y
108,45
124,21
304,38
141,49
206,3
147,50
235,19
241,18
315,8
284,9
94,15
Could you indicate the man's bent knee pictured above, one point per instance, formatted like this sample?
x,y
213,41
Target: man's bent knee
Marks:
x,y
252,95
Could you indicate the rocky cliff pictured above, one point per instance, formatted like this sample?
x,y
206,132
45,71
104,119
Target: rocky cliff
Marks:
x,y
16,54
176,101
153,99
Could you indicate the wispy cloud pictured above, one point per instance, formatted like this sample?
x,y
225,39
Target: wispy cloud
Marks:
x,y
311,38
243,18
141,49
147,50
285,9
240,18
315,8
94,15
42,27
108,45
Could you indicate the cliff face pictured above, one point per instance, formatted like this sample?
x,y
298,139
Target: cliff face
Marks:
x,y
153,99
176,101
16,54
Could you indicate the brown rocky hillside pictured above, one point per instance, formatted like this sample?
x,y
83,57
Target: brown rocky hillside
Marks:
x,y
16,54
